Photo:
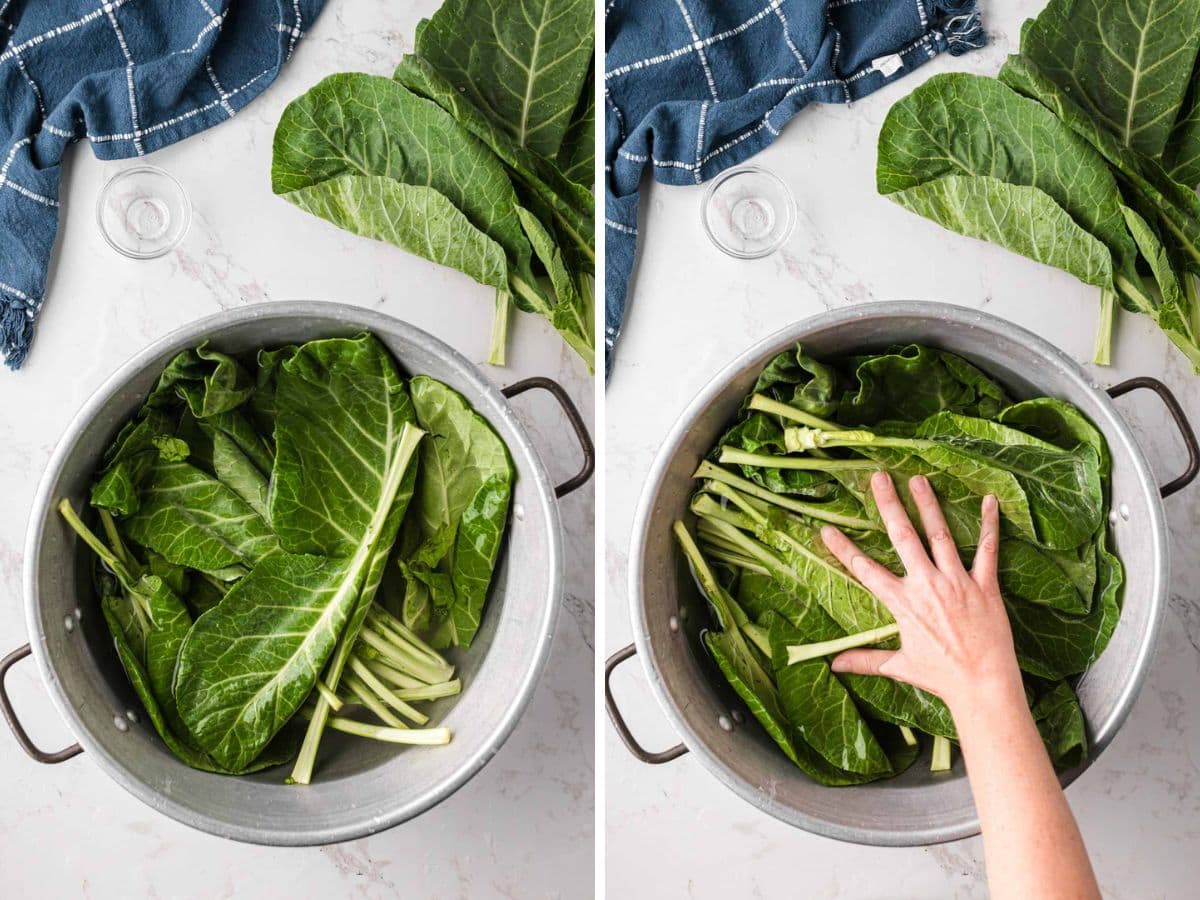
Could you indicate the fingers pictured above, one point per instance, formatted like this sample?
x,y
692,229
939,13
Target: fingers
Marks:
x,y
983,570
904,537
937,532
862,661
874,577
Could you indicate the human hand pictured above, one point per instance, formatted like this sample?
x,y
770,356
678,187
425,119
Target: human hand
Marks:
x,y
954,633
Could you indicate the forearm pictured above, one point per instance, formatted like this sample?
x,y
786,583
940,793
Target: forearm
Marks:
x,y
1030,839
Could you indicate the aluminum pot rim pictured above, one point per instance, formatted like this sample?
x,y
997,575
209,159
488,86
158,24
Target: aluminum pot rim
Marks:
x,y
789,334
186,335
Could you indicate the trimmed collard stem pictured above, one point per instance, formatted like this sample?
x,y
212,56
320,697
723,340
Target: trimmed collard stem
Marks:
x,y
941,754
1102,354
498,348
715,474
799,653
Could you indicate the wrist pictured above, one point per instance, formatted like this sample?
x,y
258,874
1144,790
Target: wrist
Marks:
x,y
988,699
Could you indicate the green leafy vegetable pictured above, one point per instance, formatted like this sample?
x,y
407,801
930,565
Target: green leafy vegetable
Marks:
x,y
249,512
476,155
1083,155
909,410
462,497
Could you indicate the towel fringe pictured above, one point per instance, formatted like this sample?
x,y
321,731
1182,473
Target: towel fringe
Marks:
x,y
16,329
960,25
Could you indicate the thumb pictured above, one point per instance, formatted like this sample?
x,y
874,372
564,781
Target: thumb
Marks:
x,y
862,661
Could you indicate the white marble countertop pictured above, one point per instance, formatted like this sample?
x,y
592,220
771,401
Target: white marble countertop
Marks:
x,y
674,830
521,828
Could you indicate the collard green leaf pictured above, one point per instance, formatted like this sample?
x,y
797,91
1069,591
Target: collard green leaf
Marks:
x,y
568,312
761,595
1060,723
1129,64
1182,155
465,482
1024,219
129,461
480,533
247,665
571,205
1062,488
901,704
820,709
192,519
1171,313
914,382
795,378
365,125
239,474
977,128
521,63
577,155
341,409
1059,423
412,217
210,383
756,690
1159,195
1053,645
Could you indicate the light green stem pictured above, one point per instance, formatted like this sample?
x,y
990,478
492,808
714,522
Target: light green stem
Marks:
x,y
737,457
497,349
334,701
909,736
88,537
431,691
1102,354
941,754
758,636
425,736
363,694
813,510
802,652
385,694
763,403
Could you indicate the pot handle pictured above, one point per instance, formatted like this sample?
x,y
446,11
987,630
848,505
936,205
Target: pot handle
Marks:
x,y
1181,422
571,411
10,716
618,720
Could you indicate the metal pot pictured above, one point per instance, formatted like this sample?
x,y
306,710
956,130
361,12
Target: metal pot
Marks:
x,y
362,786
917,807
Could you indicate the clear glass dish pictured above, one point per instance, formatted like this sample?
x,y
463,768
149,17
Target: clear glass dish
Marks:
x,y
143,212
748,212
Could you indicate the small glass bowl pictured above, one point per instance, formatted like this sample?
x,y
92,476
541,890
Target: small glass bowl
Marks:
x,y
748,212
143,212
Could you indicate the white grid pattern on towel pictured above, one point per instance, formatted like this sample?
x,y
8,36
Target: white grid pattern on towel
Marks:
x,y
108,9
698,46
925,43
703,42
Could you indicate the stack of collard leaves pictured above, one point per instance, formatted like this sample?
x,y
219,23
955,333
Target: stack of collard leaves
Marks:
x,y
1084,155
477,154
800,456
248,514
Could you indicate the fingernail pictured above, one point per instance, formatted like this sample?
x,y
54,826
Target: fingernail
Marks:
x,y
879,479
838,665
989,502
919,482
827,532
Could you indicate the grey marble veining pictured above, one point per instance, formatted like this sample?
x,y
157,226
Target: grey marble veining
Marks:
x,y
673,830
523,827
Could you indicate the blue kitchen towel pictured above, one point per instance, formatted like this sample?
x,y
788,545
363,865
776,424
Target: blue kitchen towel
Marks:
x,y
131,77
693,87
